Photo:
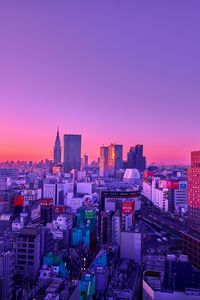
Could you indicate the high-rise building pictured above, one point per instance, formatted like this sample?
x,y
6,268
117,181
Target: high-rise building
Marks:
x,y
135,158
72,152
116,228
103,165
6,270
115,153
106,227
110,159
57,149
194,192
85,161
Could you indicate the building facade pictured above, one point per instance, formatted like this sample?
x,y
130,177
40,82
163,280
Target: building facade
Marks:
x,y
72,152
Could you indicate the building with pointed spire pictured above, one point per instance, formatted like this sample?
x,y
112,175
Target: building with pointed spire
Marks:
x,y
57,149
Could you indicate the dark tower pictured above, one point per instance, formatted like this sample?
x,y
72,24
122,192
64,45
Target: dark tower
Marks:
x,y
57,149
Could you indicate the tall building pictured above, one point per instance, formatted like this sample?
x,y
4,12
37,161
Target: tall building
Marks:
x,y
110,159
72,152
6,270
85,161
175,280
116,228
135,158
194,192
106,227
57,149
103,165
31,243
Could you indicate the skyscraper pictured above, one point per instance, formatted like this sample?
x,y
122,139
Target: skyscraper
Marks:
x,y
57,149
118,157
110,159
135,158
115,153
103,165
194,192
72,152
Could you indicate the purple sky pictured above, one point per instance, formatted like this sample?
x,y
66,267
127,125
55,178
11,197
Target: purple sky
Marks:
x,y
115,71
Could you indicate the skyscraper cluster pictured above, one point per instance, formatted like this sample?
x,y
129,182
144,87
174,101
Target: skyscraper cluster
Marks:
x,y
111,156
111,159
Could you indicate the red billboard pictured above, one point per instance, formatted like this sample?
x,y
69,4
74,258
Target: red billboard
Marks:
x,y
19,200
148,174
59,209
173,184
128,207
46,202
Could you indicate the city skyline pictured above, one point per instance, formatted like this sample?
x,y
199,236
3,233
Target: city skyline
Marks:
x,y
121,72
40,155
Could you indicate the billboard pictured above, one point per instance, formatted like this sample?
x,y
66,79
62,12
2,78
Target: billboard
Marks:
x,y
35,213
46,202
183,185
90,214
173,184
111,200
59,209
148,174
163,184
128,207
19,200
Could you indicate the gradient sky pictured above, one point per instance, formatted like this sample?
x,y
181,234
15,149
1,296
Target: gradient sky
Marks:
x,y
115,71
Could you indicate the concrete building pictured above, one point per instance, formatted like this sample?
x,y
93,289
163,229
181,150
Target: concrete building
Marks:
x,y
178,280
191,247
147,190
116,228
106,227
31,243
85,188
54,191
194,192
131,245
6,270
125,283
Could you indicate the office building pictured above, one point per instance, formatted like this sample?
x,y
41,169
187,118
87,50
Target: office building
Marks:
x,y
103,165
54,191
31,243
46,206
72,152
125,283
178,280
194,192
115,158
57,149
85,161
6,270
131,245
135,158
111,160
106,227
116,228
